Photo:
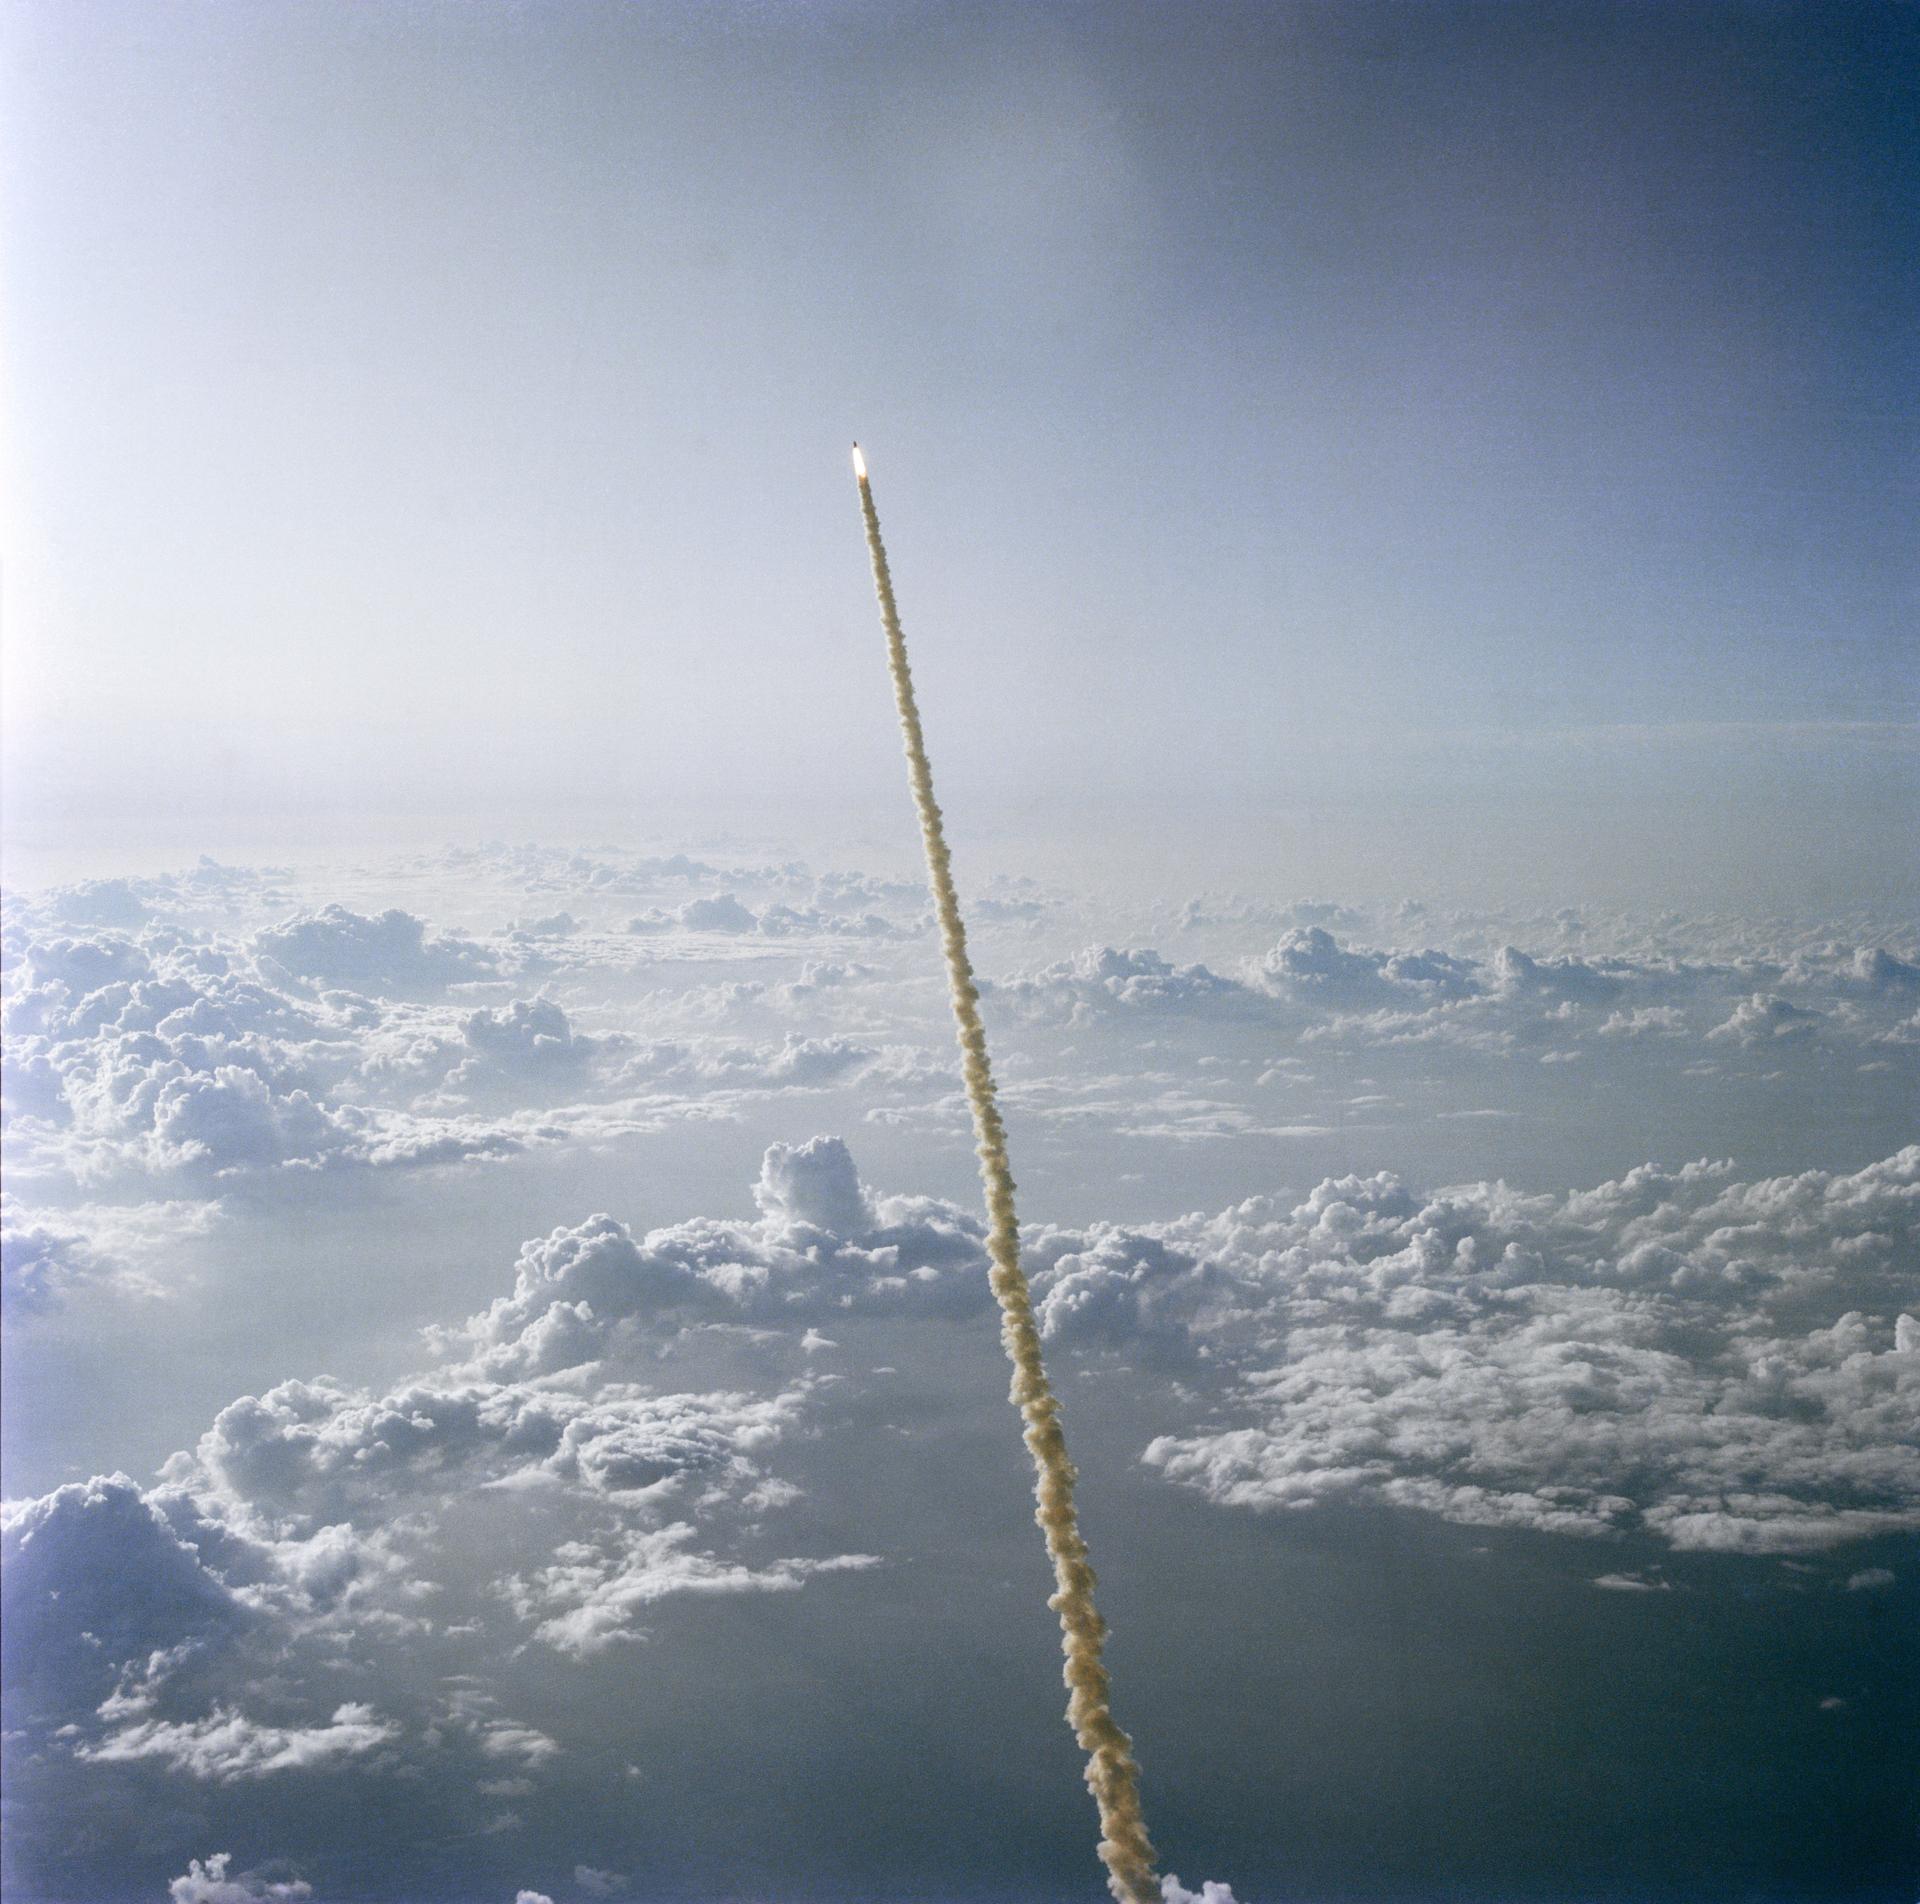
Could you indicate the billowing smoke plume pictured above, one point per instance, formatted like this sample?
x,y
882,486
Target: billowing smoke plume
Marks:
x,y
1111,1773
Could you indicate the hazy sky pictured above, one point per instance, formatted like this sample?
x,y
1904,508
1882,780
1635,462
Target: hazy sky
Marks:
x,y
1402,432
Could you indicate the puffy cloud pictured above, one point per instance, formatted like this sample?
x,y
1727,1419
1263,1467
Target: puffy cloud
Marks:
x,y
1493,1001
292,1501
169,1059
164,1052
1310,966
39,1262
528,1033
1877,970
1765,1017
598,1883
1722,1363
298,1504
231,1117
591,1597
722,913
128,902
647,1445
99,902
98,1575
1103,979
184,1055
258,1616
1320,989
822,1247
1717,1360
177,1059
434,1583
314,1472
801,1062
1718,1363
726,915
1568,979
391,953
210,1883
80,968
1645,1021
199,1058
1172,1891
526,1051
813,1185
226,1746
1121,1289
554,925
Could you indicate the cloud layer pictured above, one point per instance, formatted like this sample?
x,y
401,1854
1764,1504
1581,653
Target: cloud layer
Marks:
x,y
412,1576
1721,1364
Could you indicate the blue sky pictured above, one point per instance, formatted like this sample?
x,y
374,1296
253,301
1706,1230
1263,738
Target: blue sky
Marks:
x,y
425,411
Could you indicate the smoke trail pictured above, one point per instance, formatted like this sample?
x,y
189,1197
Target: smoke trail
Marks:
x,y
1112,1775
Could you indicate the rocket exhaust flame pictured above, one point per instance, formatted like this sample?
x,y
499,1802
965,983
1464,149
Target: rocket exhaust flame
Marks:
x,y
1112,1775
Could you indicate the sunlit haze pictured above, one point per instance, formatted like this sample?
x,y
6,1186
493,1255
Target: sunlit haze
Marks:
x,y
1436,426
